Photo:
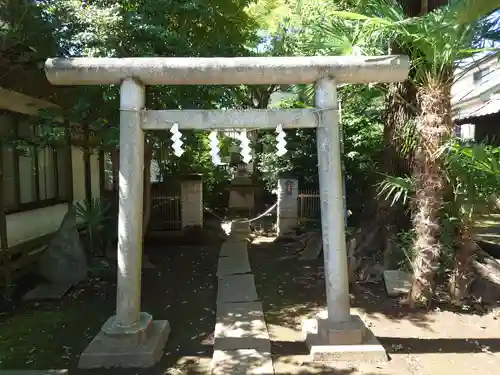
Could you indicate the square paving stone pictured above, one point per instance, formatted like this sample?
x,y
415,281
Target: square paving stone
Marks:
x,y
241,326
233,265
233,248
236,288
242,362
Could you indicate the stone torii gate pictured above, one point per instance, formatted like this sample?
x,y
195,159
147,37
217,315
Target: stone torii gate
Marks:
x,y
131,338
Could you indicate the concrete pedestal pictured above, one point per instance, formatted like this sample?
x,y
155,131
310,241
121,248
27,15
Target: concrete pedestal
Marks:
x,y
140,345
130,338
287,205
337,335
241,196
192,202
341,341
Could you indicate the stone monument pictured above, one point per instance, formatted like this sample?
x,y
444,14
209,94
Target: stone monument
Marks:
x,y
63,264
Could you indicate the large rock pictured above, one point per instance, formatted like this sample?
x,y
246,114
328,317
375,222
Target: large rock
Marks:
x,y
65,261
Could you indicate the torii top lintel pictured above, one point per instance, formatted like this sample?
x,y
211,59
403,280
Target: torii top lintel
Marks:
x,y
227,71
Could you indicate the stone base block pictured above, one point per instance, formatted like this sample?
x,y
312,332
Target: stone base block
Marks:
x,y
47,291
125,351
347,341
134,334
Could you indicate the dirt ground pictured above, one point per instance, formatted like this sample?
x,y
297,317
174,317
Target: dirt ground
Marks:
x,y
182,289
420,343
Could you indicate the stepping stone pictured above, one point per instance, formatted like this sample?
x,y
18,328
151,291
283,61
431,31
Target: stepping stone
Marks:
x,y
236,248
236,288
233,265
242,362
397,282
48,291
240,228
241,326
237,237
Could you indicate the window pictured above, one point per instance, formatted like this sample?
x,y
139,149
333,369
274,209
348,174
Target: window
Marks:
x,y
478,75
34,175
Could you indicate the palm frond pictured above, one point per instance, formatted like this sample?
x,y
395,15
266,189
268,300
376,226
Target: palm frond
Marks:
x,y
490,28
435,40
93,214
467,12
396,189
473,171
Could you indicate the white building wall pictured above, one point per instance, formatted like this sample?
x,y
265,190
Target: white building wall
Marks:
x,y
28,225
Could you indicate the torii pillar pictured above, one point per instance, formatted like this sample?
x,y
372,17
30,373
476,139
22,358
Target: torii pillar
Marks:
x,y
131,338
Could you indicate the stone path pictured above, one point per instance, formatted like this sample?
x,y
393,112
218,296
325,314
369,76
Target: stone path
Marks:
x,y
242,344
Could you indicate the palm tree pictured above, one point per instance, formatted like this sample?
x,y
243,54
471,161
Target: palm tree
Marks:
x,y
435,41
472,172
400,111
474,175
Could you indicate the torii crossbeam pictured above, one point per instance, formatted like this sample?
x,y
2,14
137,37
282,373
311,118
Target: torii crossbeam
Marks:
x,y
131,338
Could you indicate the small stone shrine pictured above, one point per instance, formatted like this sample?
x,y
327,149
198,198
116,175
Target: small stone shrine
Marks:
x,y
242,193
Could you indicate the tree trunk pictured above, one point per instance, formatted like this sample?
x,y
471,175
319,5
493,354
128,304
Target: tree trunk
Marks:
x,y
401,110
398,154
463,273
434,126
395,160
397,157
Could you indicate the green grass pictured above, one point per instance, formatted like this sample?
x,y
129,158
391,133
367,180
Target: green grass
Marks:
x,y
27,336
52,335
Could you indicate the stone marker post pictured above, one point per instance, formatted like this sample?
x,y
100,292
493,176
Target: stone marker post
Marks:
x,y
332,202
338,335
192,201
130,203
130,338
288,192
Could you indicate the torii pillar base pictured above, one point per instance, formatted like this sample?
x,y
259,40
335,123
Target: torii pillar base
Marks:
x,y
138,346
348,341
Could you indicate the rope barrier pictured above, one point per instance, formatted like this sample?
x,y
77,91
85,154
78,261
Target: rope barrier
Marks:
x,y
258,217
268,211
213,213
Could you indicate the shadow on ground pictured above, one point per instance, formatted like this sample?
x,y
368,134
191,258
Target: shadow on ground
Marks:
x,y
181,289
292,290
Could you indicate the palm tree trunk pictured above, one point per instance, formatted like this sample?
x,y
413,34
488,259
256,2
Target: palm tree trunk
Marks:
x,y
396,160
434,126
462,274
